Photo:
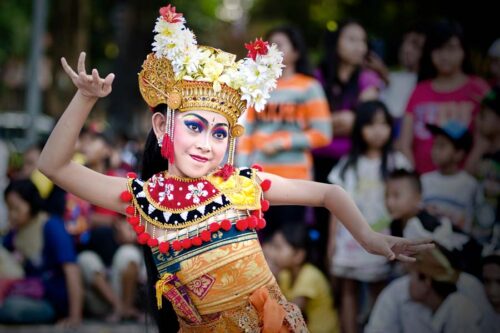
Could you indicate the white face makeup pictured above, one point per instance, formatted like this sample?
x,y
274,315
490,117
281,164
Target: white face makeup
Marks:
x,y
200,143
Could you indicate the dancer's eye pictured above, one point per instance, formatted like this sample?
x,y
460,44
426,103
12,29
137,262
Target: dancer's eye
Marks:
x,y
220,133
194,125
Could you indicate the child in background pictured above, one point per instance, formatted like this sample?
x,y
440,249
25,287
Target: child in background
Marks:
x,y
485,166
52,287
110,261
409,218
449,191
491,280
295,120
362,174
446,91
301,282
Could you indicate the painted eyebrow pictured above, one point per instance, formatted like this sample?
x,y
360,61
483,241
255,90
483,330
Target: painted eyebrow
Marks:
x,y
204,121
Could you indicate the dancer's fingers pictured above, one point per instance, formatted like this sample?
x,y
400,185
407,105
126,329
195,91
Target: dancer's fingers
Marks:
x,y
420,247
67,68
81,63
405,258
96,78
108,81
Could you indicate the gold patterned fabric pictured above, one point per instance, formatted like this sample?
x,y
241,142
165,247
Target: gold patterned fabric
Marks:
x,y
246,318
222,283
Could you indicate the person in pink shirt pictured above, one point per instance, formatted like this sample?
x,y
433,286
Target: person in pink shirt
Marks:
x,y
446,91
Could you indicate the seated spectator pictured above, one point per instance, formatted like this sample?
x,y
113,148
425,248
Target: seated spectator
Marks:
x,y
51,288
109,259
449,191
484,164
409,219
301,282
491,280
433,297
53,196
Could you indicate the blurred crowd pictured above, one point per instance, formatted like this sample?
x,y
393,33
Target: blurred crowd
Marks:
x,y
416,146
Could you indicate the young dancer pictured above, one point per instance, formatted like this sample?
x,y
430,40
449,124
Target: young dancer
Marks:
x,y
199,217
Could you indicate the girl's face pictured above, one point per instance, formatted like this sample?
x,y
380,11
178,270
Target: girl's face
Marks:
x,y
19,210
352,45
95,150
411,50
290,55
200,143
378,132
281,252
448,58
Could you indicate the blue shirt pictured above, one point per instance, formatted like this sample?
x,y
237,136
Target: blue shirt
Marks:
x,y
58,249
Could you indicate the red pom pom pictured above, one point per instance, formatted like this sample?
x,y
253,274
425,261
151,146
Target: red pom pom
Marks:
x,y
265,185
163,247
242,224
152,242
261,224
206,236
133,220
226,224
252,222
186,243
130,210
214,227
196,241
257,166
143,238
176,245
125,196
131,175
264,204
139,229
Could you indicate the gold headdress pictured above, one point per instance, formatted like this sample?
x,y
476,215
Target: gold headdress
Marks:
x,y
185,76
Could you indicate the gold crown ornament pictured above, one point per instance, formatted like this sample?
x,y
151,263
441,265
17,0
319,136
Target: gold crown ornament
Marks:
x,y
186,76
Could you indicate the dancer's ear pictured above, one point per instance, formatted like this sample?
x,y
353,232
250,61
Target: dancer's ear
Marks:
x,y
159,121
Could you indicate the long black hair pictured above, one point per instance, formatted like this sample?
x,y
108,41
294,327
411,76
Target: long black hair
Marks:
x,y
439,34
152,161
302,64
330,65
28,192
365,113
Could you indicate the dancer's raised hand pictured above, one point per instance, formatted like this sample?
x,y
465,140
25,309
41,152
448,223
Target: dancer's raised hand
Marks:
x,y
395,247
89,85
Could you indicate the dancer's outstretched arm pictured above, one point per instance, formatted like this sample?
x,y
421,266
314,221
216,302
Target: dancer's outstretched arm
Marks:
x,y
55,160
307,193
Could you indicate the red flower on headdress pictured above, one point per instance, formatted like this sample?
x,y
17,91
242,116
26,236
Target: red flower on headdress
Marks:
x,y
259,47
168,14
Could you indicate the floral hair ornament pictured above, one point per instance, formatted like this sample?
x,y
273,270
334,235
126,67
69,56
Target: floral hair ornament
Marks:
x,y
186,76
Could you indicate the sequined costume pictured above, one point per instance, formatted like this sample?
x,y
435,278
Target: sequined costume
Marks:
x,y
202,233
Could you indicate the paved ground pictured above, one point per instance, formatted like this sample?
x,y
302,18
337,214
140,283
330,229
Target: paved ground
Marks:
x,y
86,327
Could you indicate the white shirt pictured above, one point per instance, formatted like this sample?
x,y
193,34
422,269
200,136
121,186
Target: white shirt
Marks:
x,y
366,187
398,91
466,310
454,196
